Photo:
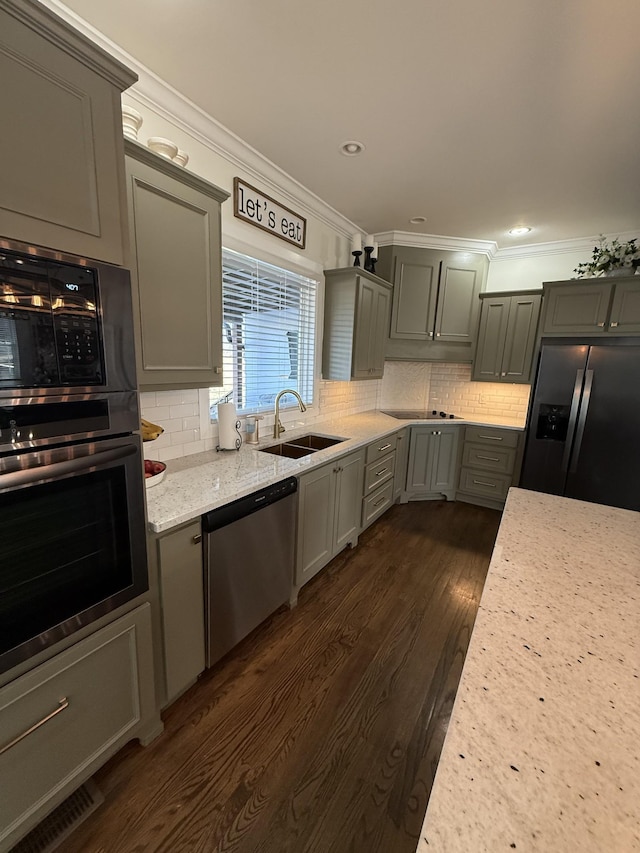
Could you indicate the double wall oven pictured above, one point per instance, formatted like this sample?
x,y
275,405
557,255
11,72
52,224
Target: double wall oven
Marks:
x,y
72,520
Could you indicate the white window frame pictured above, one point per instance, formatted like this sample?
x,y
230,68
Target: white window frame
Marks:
x,y
289,411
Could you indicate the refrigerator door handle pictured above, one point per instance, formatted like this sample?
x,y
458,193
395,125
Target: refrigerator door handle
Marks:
x,y
573,415
584,408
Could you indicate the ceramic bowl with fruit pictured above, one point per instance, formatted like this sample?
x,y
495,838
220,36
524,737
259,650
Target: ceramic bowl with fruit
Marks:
x,y
153,472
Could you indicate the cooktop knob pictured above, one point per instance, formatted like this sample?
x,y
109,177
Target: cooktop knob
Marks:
x,y
452,416
443,414
434,412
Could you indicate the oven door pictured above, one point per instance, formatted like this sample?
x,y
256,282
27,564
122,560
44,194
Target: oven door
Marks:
x,y
72,540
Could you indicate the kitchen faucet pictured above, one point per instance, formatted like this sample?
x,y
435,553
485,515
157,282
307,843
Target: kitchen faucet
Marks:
x,y
278,429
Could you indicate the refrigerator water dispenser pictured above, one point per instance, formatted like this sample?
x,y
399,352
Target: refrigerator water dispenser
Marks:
x,y
553,422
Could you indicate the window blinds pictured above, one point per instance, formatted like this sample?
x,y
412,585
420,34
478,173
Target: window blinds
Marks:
x,y
268,334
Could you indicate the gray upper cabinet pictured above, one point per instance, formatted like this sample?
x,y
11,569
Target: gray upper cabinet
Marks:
x,y
62,163
176,273
435,302
506,336
356,319
598,306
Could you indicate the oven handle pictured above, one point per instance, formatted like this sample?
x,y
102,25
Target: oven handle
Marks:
x,y
68,466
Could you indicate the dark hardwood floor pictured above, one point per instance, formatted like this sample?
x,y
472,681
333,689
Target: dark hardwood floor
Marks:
x,y
322,731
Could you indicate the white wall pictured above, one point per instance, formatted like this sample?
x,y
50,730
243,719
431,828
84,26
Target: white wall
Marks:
x,y
529,272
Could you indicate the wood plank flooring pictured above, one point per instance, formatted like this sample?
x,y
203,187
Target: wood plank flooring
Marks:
x,y
321,732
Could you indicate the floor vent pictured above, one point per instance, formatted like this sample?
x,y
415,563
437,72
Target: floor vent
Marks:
x,y
62,821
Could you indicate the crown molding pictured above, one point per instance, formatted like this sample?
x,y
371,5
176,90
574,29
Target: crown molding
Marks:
x,y
437,241
559,247
158,96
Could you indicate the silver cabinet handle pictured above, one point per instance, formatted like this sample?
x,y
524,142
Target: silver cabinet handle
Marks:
x,y
613,325
381,501
437,334
430,334
384,447
488,458
491,437
197,539
484,483
600,325
503,374
217,371
62,703
381,472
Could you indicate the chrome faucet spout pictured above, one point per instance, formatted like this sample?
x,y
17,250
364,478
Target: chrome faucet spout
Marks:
x,y
278,429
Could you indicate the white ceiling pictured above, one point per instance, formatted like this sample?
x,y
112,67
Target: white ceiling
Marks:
x,y
478,116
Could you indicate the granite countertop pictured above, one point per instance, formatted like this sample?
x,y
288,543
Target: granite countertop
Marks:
x,y
543,747
198,483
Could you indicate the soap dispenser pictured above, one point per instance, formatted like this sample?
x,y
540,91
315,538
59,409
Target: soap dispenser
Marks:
x,y
252,429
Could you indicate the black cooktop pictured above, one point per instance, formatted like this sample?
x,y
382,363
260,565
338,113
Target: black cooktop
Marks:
x,y
414,415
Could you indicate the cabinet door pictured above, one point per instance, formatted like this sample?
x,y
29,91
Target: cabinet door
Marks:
x,y
458,306
176,277
182,603
371,322
415,285
420,451
576,309
520,338
379,331
494,316
443,461
348,498
62,174
625,308
316,508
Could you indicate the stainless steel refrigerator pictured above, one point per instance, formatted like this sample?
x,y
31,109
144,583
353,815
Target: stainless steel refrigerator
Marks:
x,y
583,430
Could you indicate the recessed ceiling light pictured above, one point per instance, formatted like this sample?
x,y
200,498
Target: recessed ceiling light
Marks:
x,y
351,148
519,231
418,220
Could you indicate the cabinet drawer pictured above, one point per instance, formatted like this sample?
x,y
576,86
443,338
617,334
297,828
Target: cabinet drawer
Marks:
x,y
376,503
485,484
499,460
492,435
381,448
78,706
379,472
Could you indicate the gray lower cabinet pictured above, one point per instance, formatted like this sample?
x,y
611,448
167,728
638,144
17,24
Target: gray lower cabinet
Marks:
x,y
356,320
402,455
506,336
432,470
181,596
491,459
62,170
328,514
379,478
176,272
435,302
64,719
599,306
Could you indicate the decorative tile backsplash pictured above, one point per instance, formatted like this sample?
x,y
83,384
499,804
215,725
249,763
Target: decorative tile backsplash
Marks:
x,y
408,385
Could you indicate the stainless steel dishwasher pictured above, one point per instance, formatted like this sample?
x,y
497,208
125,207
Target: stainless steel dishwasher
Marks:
x,y
249,552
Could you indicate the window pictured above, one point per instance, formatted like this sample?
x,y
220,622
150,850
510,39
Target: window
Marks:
x,y
268,333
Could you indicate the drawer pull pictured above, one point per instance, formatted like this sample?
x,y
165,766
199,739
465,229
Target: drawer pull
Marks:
x,y
488,458
384,447
491,437
197,539
381,472
381,501
484,483
613,325
63,703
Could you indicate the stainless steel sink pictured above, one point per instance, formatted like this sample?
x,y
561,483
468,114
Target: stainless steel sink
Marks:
x,y
302,446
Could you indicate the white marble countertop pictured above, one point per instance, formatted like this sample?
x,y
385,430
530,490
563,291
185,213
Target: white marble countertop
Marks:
x,y
543,747
198,483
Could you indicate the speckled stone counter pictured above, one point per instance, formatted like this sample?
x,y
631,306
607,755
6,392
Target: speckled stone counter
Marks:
x,y
543,749
195,484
